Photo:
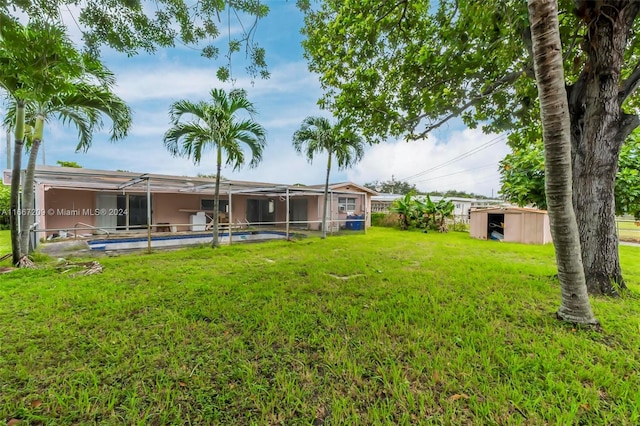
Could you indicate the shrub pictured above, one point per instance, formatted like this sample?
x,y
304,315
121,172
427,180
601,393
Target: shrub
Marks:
x,y
387,220
460,227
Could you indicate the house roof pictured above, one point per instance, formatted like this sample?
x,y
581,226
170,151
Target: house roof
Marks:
x,y
106,180
348,186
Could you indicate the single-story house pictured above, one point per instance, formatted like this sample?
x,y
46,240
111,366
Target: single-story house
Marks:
x,y
511,224
71,200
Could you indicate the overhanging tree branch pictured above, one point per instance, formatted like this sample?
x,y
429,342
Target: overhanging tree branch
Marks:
x,y
630,85
496,85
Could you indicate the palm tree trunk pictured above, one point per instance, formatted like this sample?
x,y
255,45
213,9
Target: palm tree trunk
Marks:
x,y
326,199
543,16
216,200
16,251
28,195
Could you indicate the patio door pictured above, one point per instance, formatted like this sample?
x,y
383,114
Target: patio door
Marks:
x,y
136,208
108,203
261,210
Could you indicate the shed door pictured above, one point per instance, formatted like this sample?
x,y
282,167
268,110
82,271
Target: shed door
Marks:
x,y
513,228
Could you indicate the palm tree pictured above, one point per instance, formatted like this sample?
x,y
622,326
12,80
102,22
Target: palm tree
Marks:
x,y
547,54
83,105
317,135
36,62
216,126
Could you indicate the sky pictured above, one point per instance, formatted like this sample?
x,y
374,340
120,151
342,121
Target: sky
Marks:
x,y
452,157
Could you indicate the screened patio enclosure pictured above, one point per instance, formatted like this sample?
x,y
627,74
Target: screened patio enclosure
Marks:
x,y
84,201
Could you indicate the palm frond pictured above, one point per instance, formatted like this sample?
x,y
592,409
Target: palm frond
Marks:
x,y
188,140
215,124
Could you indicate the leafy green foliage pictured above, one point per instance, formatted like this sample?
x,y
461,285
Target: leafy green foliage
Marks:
x,y
5,194
384,219
522,175
36,60
392,67
317,135
73,164
392,187
131,26
422,213
218,126
405,208
458,193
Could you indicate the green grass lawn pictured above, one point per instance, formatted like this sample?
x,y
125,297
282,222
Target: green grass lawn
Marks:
x,y
5,246
628,230
385,328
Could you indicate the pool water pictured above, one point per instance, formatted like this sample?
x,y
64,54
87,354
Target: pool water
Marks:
x,y
182,240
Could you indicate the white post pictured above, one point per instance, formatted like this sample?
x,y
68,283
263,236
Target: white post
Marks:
x,y
364,221
8,148
230,216
148,215
331,212
287,227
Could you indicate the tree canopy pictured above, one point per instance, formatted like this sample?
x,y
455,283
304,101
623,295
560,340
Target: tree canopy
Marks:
x,y
392,187
522,176
404,68
133,26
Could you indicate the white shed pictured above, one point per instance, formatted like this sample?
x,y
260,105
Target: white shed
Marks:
x,y
511,224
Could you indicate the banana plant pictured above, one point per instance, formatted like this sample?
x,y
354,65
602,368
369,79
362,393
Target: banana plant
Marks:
x,y
405,208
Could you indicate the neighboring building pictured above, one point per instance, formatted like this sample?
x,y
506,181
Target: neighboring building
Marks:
x,y
511,224
382,203
70,198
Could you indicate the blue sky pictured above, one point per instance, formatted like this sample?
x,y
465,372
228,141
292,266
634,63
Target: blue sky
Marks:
x,y
150,83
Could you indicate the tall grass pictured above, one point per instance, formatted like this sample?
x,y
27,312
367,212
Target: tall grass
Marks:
x,y
385,328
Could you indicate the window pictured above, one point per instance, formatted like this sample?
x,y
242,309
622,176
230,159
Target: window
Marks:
x,y
346,204
207,205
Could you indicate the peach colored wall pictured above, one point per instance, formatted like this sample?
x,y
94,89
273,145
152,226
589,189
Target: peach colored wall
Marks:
x,y
239,207
313,211
166,208
363,201
363,205
65,208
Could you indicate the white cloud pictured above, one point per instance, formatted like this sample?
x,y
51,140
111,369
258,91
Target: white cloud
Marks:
x,y
421,162
172,81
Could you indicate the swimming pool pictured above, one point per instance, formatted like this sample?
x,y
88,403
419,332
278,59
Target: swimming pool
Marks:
x,y
182,240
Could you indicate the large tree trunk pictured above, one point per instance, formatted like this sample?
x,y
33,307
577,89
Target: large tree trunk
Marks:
x,y
216,201
543,16
16,251
326,199
599,128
